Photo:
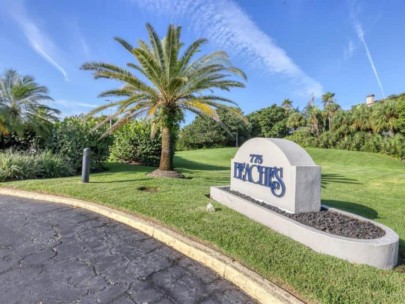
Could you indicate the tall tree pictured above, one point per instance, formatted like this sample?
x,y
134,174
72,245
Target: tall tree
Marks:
x,y
269,122
385,117
328,98
314,120
330,107
22,102
361,118
175,82
296,120
287,105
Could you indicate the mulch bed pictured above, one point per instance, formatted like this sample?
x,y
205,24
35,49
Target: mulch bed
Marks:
x,y
327,221
170,174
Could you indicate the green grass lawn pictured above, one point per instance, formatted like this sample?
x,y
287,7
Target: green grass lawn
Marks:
x,y
363,183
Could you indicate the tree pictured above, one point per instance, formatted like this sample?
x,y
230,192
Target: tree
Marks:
x,y
385,117
296,120
204,133
287,105
361,118
401,115
21,104
328,98
314,120
269,122
330,107
175,82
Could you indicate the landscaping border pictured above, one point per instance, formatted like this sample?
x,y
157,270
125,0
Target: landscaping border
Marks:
x,y
381,252
250,282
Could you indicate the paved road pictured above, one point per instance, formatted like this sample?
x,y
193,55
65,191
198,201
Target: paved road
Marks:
x,y
53,253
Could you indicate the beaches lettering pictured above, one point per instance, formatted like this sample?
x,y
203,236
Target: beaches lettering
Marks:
x,y
271,177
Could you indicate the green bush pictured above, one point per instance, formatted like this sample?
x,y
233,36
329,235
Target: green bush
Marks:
x,y
71,136
133,143
206,133
20,165
303,137
269,122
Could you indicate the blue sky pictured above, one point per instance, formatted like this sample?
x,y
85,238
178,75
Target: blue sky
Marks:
x,y
288,48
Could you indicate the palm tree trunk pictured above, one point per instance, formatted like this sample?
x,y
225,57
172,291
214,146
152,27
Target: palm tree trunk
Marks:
x,y
166,158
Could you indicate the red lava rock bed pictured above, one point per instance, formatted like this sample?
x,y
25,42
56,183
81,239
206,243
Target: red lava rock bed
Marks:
x,y
326,221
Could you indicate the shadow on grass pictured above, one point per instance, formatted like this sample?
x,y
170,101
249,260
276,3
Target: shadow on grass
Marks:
x,y
337,178
123,168
401,258
182,163
120,181
358,209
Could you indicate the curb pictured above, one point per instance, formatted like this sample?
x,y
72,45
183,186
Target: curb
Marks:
x,y
250,282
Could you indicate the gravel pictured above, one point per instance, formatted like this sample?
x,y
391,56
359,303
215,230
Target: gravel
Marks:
x,y
327,221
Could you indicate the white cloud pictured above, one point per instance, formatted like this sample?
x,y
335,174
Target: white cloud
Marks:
x,y
349,50
74,104
70,107
354,8
360,34
229,27
84,45
39,42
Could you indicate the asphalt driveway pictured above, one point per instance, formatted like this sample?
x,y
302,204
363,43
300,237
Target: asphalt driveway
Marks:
x,y
51,253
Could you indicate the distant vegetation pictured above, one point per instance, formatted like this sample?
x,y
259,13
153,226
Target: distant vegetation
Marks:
x,y
204,132
378,128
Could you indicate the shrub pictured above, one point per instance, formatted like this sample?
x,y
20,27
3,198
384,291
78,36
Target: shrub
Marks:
x,y
71,136
269,122
303,137
20,165
206,133
133,143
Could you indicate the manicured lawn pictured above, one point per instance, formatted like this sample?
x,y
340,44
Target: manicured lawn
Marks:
x,y
364,183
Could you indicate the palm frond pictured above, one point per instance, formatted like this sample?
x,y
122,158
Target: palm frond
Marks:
x,y
156,46
202,107
124,43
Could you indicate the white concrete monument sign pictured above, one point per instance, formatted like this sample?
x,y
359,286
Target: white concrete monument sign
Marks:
x,y
278,172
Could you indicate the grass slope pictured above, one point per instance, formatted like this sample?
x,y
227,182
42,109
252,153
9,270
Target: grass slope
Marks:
x,y
364,183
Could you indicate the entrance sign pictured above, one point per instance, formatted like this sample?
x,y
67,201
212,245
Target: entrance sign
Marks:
x,y
277,172
280,173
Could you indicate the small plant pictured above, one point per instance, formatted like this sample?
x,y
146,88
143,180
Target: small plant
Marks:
x,y
20,165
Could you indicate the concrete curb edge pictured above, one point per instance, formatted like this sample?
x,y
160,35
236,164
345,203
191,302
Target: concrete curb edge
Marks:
x,y
250,282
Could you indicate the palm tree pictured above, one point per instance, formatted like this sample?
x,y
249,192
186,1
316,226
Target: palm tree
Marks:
x,y
330,106
361,118
174,82
328,98
314,120
296,120
287,105
331,110
385,117
21,103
